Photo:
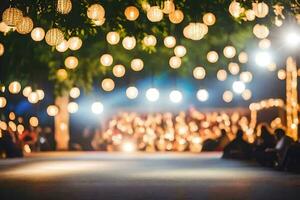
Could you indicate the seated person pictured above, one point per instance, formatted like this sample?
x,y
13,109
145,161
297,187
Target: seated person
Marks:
x,y
238,148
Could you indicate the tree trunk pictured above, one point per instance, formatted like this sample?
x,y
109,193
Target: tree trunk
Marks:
x,y
61,123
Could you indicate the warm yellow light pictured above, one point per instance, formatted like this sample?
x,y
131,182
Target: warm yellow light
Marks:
x,y
1,49
175,62
119,71
227,96
20,128
71,62
261,31
281,74
180,51
155,14
272,67
247,94
38,34
12,126
212,56
73,107
3,102
243,57
235,9
95,12
63,46
264,44
74,43
113,38
74,92
209,19
199,73
202,95
62,74
128,147
3,125
250,15
222,75
33,97
176,17
12,16
129,42
131,13
246,77
14,87
25,25
12,116
97,108
26,91
54,37
52,110
170,41
132,92
152,94
106,60
137,64
150,40
195,31
175,96
108,84
261,9
64,6
169,7
233,68
34,121
41,94
229,52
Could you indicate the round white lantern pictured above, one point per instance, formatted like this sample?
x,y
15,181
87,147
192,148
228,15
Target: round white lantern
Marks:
x,y
261,9
264,44
235,9
212,56
246,77
14,87
3,102
152,94
137,64
222,75
195,31
229,52
209,19
106,60
54,37
99,22
175,96
170,41
243,57
131,13
155,14
64,6
202,95
12,16
96,12
119,71
238,87
132,92
61,74
63,46
234,68
71,62
52,110
129,42
74,92
250,15
26,91
247,94
108,84
25,25
113,38
38,34
261,31
97,108
74,43
73,107
169,7
150,40
176,17
180,51
34,121
175,62
33,97
227,96
199,73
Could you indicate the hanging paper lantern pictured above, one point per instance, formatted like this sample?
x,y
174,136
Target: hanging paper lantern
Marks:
x,y
99,22
61,74
199,73
63,46
71,62
227,96
106,60
149,40
25,25
34,121
235,9
169,7
108,84
131,13
243,57
247,94
3,102
250,15
264,44
175,62
72,107
137,64
96,12
155,14
119,71
209,19
246,77
33,97
1,49
261,9
261,31
176,17
195,31
38,34
52,110
234,68
281,74
54,37
170,41
202,95
132,92
26,91
180,51
229,52
14,87
129,42
64,6
41,94
74,43
74,92
4,28
222,75
12,16
113,38
212,56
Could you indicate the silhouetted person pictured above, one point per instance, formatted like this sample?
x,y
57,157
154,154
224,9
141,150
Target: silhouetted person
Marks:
x,y
223,141
210,145
87,137
10,145
238,148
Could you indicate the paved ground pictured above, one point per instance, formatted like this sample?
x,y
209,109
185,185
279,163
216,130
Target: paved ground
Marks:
x,y
141,176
